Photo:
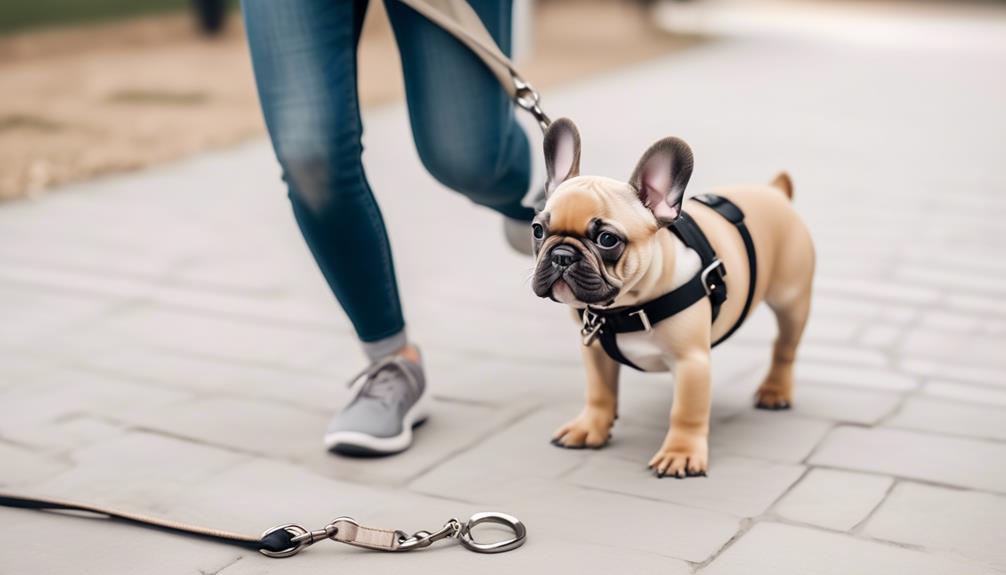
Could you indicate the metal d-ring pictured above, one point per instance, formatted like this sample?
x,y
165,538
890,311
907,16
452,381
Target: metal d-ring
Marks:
x,y
469,542
295,531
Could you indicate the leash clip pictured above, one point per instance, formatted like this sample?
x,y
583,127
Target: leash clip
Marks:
x,y
592,323
347,530
528,99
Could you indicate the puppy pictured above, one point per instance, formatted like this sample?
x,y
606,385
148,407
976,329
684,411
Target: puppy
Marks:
x,y
605,245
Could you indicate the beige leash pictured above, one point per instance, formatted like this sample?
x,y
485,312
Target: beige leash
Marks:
x,y
460,20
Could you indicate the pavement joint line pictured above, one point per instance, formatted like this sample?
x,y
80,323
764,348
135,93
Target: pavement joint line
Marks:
x,y
223,568
861,525
655,499
522,413
746,524
907,479
810,455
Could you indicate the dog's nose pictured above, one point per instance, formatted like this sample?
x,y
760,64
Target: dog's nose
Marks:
x,y
564,256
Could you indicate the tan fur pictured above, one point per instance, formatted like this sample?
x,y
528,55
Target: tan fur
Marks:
x,y
785,256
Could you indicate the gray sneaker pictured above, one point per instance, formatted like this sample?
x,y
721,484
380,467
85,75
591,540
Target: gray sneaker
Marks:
x,y
389,402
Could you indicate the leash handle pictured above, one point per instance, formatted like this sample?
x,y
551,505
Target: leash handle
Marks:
x,y
459,19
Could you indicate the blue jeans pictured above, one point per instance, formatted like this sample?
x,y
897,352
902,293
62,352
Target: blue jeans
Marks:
x,y
304,56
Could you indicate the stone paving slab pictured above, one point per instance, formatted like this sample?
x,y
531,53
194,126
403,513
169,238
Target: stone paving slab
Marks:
x,y
728,487
834,499
948,460
946,519
774,548
952,419
168,346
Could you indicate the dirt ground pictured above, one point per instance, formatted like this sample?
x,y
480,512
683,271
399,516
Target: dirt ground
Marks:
x,y
91,100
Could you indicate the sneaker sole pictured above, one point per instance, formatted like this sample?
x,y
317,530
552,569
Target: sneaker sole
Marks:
x,y
359,444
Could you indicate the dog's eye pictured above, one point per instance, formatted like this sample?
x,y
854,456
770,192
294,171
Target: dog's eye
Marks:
x,y
608,240
538,231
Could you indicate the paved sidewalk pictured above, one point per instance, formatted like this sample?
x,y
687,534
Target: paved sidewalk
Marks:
x,y
167,346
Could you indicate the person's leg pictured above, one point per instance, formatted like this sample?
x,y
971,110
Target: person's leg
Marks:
x,y
462,120
304,56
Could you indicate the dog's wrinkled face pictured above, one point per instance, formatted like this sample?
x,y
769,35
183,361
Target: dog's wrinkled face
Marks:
x,y
594,239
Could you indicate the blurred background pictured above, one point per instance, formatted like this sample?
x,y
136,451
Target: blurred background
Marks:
x,y
108,85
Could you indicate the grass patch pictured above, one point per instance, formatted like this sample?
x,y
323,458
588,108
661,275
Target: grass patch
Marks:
x,y
17,15
158,97
13,122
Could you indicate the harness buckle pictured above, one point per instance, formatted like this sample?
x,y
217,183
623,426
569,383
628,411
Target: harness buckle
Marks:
x,y
592,323
718,284
645,319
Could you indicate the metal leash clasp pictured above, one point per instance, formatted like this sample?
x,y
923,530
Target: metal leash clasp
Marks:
x,y
529,99
347,530
592,323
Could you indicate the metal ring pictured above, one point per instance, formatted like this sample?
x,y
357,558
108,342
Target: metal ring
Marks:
x,y
519,533
295,531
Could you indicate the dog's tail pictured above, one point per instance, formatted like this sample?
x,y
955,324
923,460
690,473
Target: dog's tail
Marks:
x,y
785,184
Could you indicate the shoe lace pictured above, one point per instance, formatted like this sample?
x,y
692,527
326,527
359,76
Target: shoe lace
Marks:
x,y
377,380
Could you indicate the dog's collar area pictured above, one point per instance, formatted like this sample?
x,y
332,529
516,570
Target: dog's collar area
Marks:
x,y
606,324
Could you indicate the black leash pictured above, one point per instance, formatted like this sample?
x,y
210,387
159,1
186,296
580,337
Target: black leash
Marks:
x,y
289,539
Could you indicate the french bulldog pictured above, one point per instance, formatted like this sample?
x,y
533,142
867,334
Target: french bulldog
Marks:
x,y
606,243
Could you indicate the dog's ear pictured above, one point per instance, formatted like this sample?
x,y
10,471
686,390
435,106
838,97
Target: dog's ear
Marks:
x,y
562,153
661,176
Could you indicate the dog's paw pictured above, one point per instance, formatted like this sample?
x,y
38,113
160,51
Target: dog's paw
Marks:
x,y
591,429
681,457
772,399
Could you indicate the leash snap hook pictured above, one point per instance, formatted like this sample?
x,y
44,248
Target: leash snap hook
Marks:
x,y
529,99
421,539
592,323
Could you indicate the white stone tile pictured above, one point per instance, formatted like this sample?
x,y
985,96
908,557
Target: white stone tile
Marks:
x,y
773,436
925,456
500,380
68,392
771,548
812,352
837,403
881,335
137,470
955,371
19,466
735,485
204,375
833,499
963,392
252,426
450,429
62,435
89,546
656,527
964,523
899,293
951,418
840,374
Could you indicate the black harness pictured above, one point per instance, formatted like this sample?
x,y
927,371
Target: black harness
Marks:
x,y
605,324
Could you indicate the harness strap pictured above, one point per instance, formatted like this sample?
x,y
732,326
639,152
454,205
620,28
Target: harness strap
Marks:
x,y
605,325
734,215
